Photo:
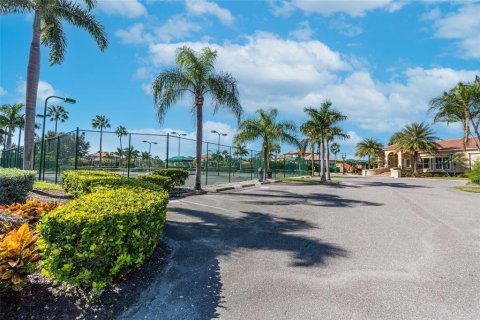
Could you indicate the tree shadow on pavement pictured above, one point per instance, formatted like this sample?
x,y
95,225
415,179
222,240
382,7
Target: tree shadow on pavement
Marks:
x,y
190,287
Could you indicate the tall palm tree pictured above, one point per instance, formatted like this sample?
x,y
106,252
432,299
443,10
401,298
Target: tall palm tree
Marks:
x,y
332,133
335,149
369,147
241,151
48,30
11,118
312,137
57,113
195,75
320,122
121,131
269,130
416,138
460,104
394,138
100,122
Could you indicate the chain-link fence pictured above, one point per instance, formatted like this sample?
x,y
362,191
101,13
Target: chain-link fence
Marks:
x,y
136,153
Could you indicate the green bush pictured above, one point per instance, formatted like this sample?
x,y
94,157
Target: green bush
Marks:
x,y
474,175
122,183
102,236
78,183
164,182
179,176
15,185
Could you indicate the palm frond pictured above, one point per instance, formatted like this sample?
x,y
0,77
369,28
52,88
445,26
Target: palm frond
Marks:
x,y
224,92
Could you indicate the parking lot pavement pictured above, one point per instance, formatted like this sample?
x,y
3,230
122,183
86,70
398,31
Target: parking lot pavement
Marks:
x,y
369,248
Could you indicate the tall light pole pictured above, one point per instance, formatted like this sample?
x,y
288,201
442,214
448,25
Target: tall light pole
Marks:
x,y
42,153
149,145
178,134
218,148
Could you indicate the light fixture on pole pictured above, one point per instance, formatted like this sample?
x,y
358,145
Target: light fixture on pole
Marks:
x,y
149,145
41,168
178,134
344,157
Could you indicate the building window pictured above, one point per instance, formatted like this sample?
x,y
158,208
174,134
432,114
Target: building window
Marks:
x,y
425,163
442,163
407,163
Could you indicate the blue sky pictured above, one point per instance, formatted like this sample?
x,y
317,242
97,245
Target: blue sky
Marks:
x,y
379,62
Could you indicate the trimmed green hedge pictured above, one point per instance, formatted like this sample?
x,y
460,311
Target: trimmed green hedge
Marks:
x,y
15,185
474,175
79,183
122,183
102,236
162,181
179,176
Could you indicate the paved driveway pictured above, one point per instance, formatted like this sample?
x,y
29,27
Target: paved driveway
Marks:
x,y
370,248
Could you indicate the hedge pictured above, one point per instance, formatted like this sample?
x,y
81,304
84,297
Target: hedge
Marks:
x,y
164,182
474,175
78,183
122,183
179,176
15,185
102,236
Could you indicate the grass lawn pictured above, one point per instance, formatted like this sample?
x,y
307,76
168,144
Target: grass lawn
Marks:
x,y
469,188
314,180
447,178
42,185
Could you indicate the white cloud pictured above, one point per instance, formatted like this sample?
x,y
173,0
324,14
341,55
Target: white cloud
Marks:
x,y
304,31
177,27
203,7
344,27
3,91
353,8
124,8
463,26
45,90
132,35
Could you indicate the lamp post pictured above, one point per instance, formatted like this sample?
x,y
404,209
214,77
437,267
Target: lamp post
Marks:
x,y
218,148
344,157
42,153
178,134
149,145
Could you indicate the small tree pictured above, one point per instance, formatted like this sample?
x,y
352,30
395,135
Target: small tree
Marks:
x,y
369,147
100,122
57,113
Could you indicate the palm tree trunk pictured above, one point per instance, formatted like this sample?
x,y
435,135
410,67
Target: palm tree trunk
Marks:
x,y
121,151
9,138
475,128
322,160
101,136
56,123
327,161
265,159
33,74
198,159
368,164
313,159
414,163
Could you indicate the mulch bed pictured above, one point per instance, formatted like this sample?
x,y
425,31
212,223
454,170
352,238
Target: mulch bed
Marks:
x,y
44,299
49,195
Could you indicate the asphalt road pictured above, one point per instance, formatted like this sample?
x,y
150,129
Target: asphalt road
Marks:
x,y
369,248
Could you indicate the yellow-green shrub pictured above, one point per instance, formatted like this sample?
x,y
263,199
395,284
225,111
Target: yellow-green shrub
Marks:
x,y
164,182
18,258
102,236
122,183
78,183
15,184
179,176
474,175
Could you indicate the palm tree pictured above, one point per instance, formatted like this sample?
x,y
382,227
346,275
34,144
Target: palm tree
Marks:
x,y
57,113
394,138
48,30
460,104
266,128
100,122
331,134
369,147
319,126
121,131
240,151
302,150
195,75
416,138
335,149
11,118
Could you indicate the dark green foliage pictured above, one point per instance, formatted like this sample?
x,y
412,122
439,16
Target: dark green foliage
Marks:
x,y
178,176
102,236
15,185
164,182
474,175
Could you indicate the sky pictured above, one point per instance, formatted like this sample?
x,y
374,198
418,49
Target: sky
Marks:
x,y
379,62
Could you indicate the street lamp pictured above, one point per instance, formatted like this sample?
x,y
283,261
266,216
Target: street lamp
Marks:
x,y
42,153
149,145
344,157
178,134
218,149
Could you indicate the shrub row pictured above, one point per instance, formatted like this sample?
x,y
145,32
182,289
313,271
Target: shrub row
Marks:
x,y
474,175
103,235
178,176
409,173
15,185
163,182
78,183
